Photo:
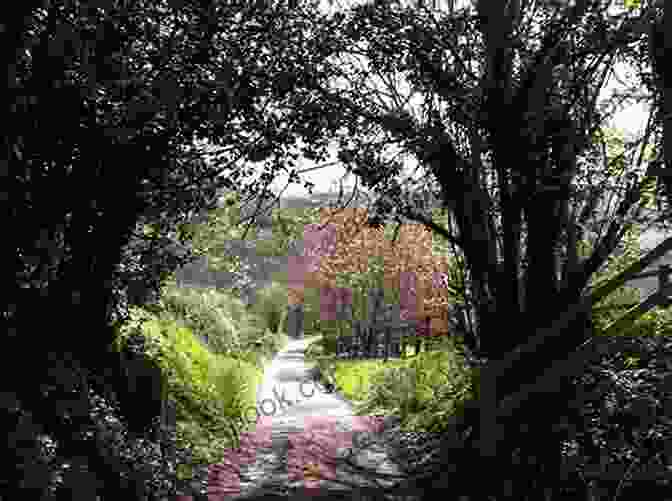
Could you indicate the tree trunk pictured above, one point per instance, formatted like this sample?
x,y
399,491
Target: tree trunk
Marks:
x,y
79,300
661,72
531,434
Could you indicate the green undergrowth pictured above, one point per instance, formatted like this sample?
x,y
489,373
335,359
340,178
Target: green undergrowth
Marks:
x,y
423,390
210,391
211,352
621,423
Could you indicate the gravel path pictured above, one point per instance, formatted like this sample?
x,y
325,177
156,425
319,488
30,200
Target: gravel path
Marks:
x,y
303,424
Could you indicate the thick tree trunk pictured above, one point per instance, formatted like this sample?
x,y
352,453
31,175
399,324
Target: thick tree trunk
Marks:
x,y
77,303
661,71
529,448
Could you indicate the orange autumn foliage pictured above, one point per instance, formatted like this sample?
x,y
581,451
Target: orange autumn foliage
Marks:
x,y
356,244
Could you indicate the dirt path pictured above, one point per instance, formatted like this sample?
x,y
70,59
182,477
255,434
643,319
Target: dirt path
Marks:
x,y
302,424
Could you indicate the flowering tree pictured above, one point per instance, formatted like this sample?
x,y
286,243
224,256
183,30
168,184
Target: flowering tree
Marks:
x,y
342,254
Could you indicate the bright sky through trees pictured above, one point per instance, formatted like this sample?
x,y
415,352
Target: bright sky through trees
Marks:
x,y
326,176
631,119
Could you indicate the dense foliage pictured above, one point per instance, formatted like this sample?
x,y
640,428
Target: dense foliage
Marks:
x,y
614,433
211,376
104,144
123,121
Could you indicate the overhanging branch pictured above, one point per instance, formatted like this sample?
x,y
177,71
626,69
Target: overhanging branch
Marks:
x,y
440,230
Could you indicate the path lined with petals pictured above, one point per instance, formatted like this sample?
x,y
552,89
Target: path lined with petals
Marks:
x,y
301,432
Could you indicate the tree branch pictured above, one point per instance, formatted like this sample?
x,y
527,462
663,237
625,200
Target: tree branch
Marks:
x,y
429,223
607,244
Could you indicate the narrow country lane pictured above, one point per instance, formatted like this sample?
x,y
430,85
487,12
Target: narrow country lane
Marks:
x,y
303,428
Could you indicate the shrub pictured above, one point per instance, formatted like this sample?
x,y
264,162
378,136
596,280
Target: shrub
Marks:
x,y
277,342
328,343
624,420
314,350
211,392
355,377
204,313
47,468
271,306
390,391
424,391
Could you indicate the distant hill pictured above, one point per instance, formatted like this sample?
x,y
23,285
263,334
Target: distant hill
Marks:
x,y
264,267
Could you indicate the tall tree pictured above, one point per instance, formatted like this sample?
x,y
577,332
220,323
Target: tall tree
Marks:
x,y
496,104
405,252
102,163
125,122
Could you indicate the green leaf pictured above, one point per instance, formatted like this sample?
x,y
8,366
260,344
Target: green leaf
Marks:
x,y
648,192
631,362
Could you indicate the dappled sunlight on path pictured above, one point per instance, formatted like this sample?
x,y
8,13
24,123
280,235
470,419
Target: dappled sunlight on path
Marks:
x,y
305,438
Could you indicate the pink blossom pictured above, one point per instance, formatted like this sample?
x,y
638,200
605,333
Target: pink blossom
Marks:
x,y
297,267
439,280
328,300
346,295
319,242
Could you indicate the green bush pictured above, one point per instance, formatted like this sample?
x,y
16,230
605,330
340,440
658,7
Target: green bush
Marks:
x,y
328,343
235,374
443,384
656,322
271,306
623,421
249,325
203,311
314,350
389,390
222,321
355,377
423,391
193,370
211,391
